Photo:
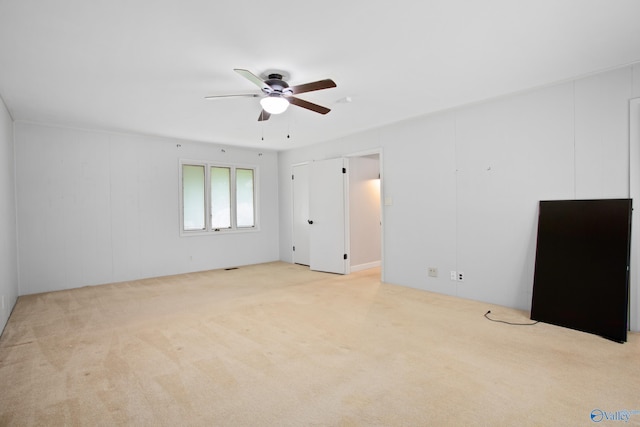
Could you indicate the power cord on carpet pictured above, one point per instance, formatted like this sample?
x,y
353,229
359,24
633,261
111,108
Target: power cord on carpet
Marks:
x,y
508,323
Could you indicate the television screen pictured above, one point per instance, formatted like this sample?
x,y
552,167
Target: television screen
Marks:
x,y
581,278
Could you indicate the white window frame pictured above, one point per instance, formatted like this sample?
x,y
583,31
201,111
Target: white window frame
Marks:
x,y
208,230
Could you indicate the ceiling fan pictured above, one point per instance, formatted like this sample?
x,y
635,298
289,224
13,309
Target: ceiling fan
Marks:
x,y
277,94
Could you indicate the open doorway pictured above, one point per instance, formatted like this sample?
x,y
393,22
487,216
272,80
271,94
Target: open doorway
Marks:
x,y
365,214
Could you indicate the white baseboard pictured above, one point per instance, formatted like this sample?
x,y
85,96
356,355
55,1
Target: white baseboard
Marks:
x,y
366,266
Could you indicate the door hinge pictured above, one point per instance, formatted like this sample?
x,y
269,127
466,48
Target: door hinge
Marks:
x,y
294,249
291,176
345,256
344,170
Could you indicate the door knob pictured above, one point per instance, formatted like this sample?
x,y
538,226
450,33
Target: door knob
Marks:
x,y
309,221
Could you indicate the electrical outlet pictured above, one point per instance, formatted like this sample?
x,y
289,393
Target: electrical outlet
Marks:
x,y
460,276
432,272
453,275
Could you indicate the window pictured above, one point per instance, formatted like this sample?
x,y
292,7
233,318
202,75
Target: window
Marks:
x,y
193,197
217,197
220,197
245,210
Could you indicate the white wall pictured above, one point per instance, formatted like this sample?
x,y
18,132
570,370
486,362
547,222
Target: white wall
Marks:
x,y
465,184
634,180
364,213
97,207
8,245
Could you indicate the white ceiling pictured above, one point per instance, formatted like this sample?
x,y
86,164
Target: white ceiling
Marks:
x,y
145,66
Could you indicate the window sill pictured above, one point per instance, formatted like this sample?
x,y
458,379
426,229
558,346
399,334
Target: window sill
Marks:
x,y
217,233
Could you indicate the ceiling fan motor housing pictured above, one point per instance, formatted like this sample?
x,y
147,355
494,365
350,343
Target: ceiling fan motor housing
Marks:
x,y
277,85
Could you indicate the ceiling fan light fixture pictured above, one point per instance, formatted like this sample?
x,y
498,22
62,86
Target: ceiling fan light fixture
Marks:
x,y
274,104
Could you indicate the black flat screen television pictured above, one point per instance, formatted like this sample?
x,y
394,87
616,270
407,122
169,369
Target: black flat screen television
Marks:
x,y
581,278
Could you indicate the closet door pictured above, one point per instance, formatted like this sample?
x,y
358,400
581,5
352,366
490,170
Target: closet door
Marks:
x,y
328,216
301,226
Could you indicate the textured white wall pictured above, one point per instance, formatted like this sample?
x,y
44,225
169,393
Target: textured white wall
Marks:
x,y
97,207
8,245
634,181
465,184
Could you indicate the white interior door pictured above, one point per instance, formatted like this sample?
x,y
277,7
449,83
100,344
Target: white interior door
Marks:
x,y
301,226
328,216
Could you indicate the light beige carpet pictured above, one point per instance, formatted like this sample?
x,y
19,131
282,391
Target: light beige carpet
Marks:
x,y
278,345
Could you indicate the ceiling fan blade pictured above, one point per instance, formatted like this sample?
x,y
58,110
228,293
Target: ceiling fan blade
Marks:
x,y
309,87
263,116
308,105
240,95
252,78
